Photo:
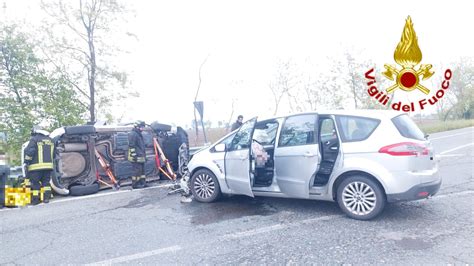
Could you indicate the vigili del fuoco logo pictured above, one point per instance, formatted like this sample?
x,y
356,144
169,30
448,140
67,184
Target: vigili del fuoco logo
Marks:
x,y
408,75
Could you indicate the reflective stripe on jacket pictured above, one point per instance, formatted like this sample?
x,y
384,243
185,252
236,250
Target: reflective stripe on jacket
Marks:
x,y
39,153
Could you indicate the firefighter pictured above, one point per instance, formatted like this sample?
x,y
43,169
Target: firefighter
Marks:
x,y
39,156
137,155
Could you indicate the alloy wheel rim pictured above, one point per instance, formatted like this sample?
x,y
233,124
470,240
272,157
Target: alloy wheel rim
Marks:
x,y
204,186
359,198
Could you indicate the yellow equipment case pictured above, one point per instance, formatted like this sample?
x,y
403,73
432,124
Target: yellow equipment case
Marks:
x,y
14,192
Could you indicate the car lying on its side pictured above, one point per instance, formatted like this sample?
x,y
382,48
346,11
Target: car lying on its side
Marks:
x,y
360,159
78,170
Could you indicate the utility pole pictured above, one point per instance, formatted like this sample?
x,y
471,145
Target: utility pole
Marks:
x,y
199,106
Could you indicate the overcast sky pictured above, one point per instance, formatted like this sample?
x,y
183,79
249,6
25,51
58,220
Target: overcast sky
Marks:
x,y
243,40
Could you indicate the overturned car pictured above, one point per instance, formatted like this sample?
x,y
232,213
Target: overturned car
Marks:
x,y
92,157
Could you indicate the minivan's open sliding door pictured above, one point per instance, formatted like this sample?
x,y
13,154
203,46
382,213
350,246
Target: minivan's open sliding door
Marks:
x,y
297,155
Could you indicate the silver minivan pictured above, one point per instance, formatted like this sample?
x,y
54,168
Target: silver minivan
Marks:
x,y
361,159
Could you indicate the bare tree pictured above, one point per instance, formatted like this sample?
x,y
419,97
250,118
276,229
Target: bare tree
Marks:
x,y
195,100
352,74
340,83
283,84
348,75
461,90
316,95
92,24
229,122
236,87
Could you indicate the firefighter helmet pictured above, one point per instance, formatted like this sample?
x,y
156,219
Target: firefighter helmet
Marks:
x,y
139,124
39,130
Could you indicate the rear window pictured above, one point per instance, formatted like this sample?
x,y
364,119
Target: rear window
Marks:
x,y
407,127
356,128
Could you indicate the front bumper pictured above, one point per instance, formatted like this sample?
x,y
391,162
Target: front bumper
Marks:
x,y
417,192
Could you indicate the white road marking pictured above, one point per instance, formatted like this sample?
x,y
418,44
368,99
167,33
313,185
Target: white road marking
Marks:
x,y
137,256
449,136
318,219
450,155
109,193
457,148
275,227
248,233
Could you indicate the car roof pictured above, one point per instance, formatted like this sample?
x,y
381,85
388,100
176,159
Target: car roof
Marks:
x,y
365,112
371,113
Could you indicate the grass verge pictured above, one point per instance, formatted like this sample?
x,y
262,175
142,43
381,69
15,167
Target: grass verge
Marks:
x,y
433,126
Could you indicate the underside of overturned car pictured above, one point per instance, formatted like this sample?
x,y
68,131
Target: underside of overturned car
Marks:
x,y
92,157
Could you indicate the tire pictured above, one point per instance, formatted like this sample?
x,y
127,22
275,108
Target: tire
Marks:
x,y
76,130
204,186
80,190
56,186
160,127
360,198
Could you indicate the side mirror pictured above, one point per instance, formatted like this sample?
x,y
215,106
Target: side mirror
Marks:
x,y
220,147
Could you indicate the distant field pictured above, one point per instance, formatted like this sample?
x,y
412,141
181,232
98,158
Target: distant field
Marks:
x,y
213,134
433,126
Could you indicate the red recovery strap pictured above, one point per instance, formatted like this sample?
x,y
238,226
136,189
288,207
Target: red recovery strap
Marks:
x,y
105,167
157,157
159,152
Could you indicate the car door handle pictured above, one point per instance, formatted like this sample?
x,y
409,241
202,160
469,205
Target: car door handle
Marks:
x,y
309,154
243,158
333,148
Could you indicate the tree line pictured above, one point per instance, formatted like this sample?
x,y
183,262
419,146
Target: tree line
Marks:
x,y
343,86
64,75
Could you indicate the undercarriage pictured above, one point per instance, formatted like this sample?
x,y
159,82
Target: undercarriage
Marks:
x,y
89,158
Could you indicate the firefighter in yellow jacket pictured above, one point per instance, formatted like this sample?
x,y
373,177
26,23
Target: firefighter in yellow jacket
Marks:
x,y
137,154
39,157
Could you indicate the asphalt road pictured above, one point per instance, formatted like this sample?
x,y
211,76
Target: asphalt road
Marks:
x,y
149,227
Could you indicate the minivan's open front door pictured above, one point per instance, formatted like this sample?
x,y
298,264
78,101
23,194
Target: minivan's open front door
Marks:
x,y
237,160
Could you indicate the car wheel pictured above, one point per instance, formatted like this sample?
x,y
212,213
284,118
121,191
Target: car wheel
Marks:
x,y
75,130
81,190
204,186
360,197
160,127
